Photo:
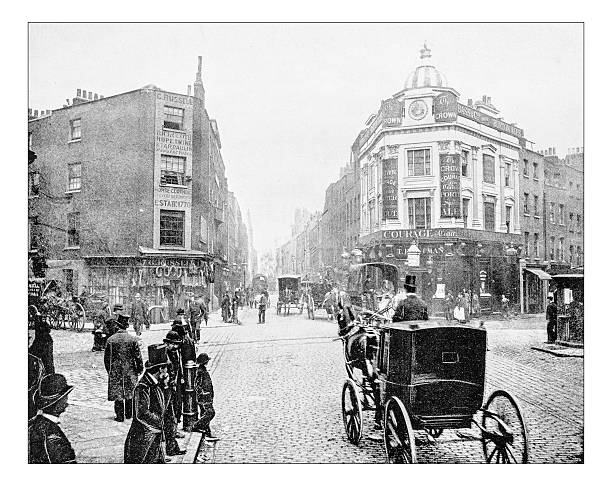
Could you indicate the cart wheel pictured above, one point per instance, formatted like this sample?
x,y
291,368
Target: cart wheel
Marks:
x,y
352,413
32,313
399,436
435,433
77,317
504,438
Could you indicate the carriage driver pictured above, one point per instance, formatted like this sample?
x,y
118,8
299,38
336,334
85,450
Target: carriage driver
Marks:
x,y
412,307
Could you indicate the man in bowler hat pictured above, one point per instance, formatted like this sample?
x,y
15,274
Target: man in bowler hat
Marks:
x,y
144,443
123,363
412,307
47,443
173,395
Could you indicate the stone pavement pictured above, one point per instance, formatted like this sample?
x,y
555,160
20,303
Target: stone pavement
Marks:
x,y
277,395
89,419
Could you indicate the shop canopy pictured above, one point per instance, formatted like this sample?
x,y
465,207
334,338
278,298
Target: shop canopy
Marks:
x,y
541,274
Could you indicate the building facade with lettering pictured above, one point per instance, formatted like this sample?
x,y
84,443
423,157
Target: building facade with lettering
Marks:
x,y
444,177
132,195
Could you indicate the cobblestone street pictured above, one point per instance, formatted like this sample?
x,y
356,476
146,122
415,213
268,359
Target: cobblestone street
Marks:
x,y
277,395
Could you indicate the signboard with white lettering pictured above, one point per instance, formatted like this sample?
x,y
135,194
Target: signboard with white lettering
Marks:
x,y
450,186
389,189
445,107
389,115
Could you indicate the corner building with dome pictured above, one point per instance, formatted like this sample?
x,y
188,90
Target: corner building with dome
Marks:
x,y
440,190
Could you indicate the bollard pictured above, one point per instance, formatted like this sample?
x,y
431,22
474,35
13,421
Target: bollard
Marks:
x,y
190,405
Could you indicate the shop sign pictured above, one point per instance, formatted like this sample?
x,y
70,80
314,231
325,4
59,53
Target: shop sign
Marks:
x,y
445,107
389,189
450,186
174,98
409,234
173,143
489,121
389,115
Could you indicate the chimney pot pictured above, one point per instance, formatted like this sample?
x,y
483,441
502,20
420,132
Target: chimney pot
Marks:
x,y
29,111
188,90
101,96
35,113
89,95
95,96
84,94
488,100
470,102
78,93
67,102
484,98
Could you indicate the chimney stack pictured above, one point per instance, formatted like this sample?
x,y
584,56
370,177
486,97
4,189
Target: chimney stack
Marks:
x,y
29,111
470,102
78,93
95,96
488,100
188,90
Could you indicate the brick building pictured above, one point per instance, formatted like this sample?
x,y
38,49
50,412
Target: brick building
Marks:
x,y
131,196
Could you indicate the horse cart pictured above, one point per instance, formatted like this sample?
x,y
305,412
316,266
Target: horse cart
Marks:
x,y
369,283
289,294
428,376
45,299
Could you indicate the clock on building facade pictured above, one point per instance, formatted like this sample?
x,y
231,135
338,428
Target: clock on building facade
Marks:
x,y
417,110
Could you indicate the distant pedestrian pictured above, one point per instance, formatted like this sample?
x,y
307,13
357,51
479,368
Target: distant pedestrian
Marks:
x,y
235,304
505,306
475,305
139,314
42,346
123,363
226,305
551,318
144,441
197,311
204,396
47,443
263,304
449,306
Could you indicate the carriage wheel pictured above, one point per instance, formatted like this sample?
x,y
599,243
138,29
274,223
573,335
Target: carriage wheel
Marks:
x,y
399,436
32,313
77,317
352,413
504,438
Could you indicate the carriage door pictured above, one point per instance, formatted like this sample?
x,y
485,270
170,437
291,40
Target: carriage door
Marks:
x,y
383,359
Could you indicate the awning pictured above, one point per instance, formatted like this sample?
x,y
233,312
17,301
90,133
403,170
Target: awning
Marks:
x,y
541,274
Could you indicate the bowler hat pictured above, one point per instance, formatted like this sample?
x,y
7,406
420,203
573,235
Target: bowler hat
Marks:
x,y
410,284
203,358
123,320
173,338
52,389
157,357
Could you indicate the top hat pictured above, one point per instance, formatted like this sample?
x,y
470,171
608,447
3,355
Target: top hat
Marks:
x,y
203,358
410,284
52,389
117,308
123,320
180,312
157,357
173,337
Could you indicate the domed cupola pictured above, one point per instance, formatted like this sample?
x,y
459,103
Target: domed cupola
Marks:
x,y
426,75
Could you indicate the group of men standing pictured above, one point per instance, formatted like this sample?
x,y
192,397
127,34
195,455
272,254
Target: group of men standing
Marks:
x,y
230,305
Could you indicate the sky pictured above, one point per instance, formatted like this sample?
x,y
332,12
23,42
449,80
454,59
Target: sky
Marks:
x,y
290,99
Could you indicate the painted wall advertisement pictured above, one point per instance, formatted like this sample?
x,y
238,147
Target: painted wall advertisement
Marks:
x,y
446,108
389,189
450,186
389,115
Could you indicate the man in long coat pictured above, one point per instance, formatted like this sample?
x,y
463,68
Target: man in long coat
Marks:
x,y
144,443
173,395
47,443
139,314
123,363
412,307
551,318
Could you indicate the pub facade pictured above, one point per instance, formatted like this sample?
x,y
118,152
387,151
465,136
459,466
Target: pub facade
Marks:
x,y
440,190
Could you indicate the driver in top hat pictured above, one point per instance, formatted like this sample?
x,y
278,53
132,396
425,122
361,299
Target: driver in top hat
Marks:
x,y
412,307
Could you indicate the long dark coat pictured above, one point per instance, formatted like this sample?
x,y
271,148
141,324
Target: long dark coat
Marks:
x,y
143,444
123,363
47,444
412,308
36,371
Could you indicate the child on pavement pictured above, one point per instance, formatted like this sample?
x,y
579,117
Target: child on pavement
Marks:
x,y
204,396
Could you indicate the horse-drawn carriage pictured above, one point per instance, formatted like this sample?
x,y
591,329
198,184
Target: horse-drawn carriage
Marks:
x,y
369,283
428,376
45,299
289,294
